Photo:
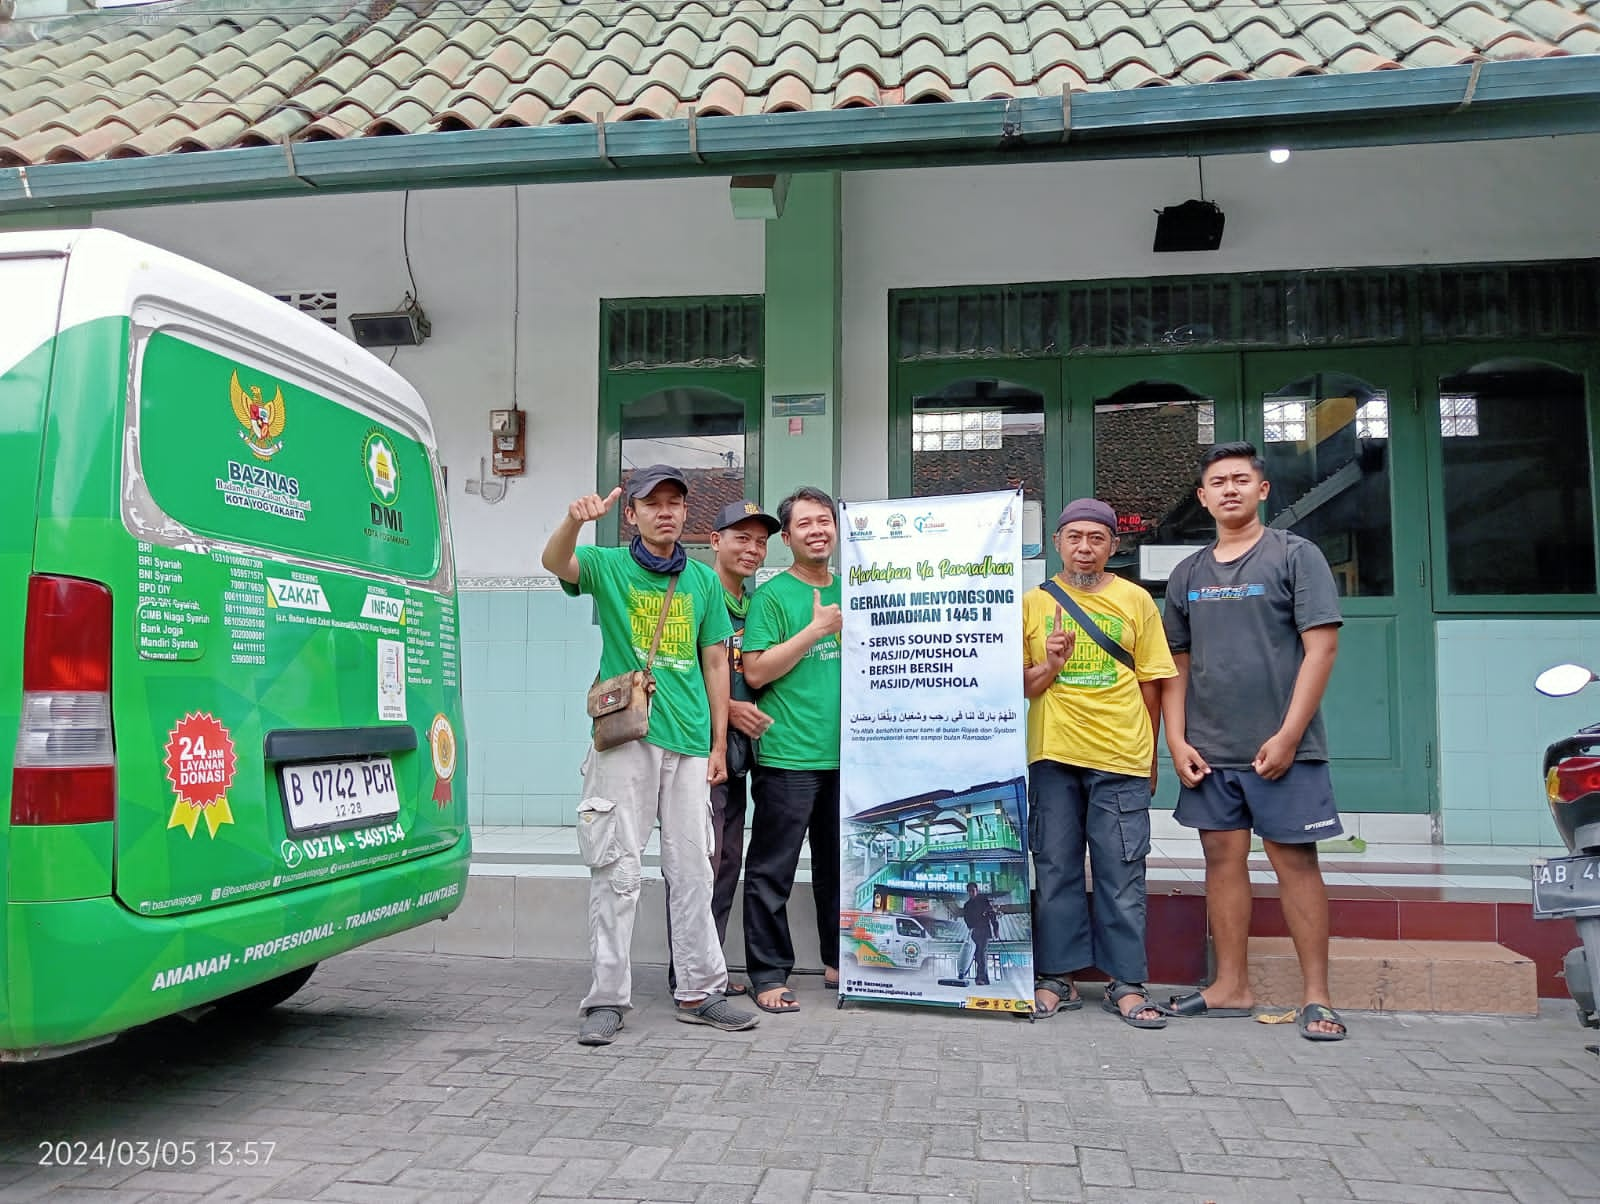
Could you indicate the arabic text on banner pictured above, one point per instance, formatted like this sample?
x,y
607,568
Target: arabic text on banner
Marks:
x,y
933,826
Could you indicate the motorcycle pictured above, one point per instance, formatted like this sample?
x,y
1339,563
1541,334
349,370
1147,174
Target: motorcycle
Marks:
x,y
1569,887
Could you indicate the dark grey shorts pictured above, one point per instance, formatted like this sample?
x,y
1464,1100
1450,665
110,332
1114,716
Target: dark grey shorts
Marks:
x,y
1298,808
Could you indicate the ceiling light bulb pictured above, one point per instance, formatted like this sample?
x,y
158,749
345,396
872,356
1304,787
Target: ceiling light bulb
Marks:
x,y
1279,154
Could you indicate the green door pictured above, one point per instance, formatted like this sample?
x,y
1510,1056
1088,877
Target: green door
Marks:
x,y
1138,425
1331,427
975,426
705,422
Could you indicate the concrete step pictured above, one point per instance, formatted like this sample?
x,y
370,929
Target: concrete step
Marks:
x,y
1477,977
541,911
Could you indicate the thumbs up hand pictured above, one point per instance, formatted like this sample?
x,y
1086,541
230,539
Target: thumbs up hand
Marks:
x,y
825,620
592,506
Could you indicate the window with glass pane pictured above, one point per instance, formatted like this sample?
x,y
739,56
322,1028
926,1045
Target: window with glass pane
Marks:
x,y
1519,503
698,431
976,435
1147,443
1326,447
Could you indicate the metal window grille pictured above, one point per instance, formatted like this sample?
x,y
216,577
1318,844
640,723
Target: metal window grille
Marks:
x,y
322,305
684,332
1300,309
972,323
1505,301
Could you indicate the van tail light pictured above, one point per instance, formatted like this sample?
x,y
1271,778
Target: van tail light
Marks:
x,y
65,767
1573,779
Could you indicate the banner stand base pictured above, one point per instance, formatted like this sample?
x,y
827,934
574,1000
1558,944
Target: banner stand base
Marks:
x,y
879,1000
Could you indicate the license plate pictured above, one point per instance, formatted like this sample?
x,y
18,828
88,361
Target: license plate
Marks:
x,y
339,794
1565,885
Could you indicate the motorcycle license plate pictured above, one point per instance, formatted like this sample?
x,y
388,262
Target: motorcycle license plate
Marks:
x,y
1565,886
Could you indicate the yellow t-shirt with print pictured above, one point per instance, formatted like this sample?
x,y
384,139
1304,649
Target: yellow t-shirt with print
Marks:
x,y
1093,715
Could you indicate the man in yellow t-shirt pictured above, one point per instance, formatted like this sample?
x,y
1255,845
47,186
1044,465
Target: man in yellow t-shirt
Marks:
x,y
1094,705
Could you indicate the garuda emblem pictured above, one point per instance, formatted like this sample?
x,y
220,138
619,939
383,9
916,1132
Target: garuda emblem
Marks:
x,y
262,420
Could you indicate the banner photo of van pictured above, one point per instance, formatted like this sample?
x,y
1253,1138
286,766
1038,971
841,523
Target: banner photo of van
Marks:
x,y
933,857
229,666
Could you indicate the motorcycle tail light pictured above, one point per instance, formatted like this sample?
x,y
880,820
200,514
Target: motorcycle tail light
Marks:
x,y
1573,779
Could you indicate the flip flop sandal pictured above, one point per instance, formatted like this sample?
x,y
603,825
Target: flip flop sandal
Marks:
x,y
600,1026
830,985
1066,1001
787,1002
1311,1013
1193,1006
1118,991
716,1011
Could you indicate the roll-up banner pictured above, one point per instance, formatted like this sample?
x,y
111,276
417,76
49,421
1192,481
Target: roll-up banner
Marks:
x,y
933,855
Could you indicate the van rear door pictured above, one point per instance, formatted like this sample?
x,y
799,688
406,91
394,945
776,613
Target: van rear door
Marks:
x,y
287,700
30,302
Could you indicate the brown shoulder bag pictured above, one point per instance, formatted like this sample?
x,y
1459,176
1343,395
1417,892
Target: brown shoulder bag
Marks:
x,y
620,706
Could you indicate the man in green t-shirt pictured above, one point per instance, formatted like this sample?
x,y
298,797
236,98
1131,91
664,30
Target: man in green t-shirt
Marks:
x,y
791,653
668,774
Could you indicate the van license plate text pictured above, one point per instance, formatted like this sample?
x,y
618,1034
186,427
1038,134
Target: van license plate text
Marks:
x,y
1565,886
342,794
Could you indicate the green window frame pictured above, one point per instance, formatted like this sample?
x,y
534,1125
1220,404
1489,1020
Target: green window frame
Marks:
x,y
1439,318
653,344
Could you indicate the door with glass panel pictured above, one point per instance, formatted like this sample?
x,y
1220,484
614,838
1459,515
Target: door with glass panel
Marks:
x,y
978,426
1511,439
703,423
1332,427
1138,427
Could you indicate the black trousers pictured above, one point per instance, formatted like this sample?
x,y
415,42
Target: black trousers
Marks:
x,y
728,803
792,805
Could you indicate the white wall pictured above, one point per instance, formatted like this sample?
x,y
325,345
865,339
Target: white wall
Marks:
x,y
1527,199
579,243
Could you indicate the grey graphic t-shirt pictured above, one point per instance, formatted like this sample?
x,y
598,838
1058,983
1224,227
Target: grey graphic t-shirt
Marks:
x,y
1240,623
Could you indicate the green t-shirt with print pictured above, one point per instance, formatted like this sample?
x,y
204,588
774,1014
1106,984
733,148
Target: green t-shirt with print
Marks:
x,y
627,599
804,702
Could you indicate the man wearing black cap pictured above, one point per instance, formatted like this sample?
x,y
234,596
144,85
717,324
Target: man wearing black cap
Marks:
x,y
1094,659
668,774
739,549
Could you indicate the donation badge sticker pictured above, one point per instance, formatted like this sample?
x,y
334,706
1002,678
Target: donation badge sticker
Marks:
x,y
200,764
442,744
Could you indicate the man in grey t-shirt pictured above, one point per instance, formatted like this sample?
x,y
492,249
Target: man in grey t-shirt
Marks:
x,y
1253,622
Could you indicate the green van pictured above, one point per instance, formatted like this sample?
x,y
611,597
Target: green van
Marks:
x,y
229,666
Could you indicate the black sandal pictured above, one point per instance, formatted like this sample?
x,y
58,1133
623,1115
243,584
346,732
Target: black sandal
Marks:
x,y
1067,998
1117,991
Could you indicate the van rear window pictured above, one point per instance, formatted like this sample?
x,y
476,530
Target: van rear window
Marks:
x,y
235,453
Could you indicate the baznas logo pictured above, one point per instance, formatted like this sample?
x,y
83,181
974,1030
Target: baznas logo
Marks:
x,y
861,521
383,472
262,420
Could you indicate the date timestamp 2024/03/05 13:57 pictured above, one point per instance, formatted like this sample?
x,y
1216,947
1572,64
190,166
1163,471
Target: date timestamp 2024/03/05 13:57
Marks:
x,y
157,1152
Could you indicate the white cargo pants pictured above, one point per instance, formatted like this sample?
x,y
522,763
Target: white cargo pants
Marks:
x,y
625,791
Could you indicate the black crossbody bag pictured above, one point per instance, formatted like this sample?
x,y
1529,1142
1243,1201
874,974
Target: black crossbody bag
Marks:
x,y
1108,645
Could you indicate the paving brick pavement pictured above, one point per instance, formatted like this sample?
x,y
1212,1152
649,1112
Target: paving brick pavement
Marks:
x,y
400,1077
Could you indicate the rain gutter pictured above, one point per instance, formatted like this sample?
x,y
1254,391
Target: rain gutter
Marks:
x,y
1511,99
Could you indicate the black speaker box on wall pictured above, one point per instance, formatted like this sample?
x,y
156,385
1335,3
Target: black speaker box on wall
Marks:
x,y
1191,226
